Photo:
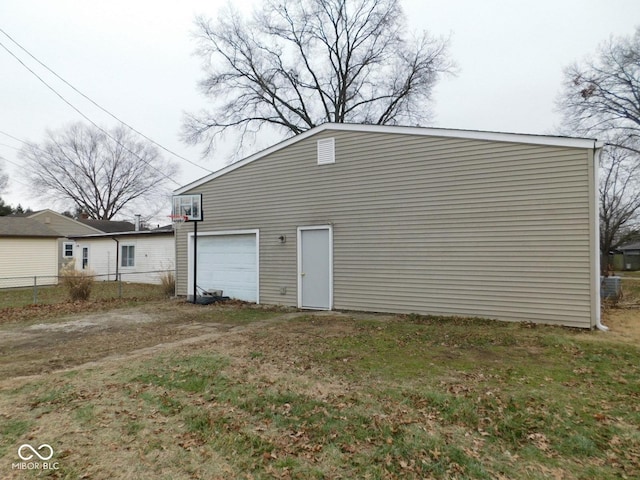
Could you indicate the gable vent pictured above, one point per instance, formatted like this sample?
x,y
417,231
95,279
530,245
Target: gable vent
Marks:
x,y
326,151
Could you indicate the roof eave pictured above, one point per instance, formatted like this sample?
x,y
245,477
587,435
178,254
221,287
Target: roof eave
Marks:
x,y
123,234
31,236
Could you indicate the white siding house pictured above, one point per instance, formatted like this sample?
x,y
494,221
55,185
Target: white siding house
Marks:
x,y
407,220
138,256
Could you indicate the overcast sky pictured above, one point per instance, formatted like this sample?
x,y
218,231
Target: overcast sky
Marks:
x,y
135,58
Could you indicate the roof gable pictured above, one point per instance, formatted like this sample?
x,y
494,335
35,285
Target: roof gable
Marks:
x,y
11,226
61,223
547,140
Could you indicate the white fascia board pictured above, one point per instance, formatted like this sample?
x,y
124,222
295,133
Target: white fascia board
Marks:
x,y
546,140
122,234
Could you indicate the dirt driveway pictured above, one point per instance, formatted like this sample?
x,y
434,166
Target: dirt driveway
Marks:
x,y
39,346
35,347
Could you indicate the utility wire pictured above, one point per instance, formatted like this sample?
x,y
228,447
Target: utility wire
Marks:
x,y
88,119
11,161
12,137
24,142
101,107
11,178
8,146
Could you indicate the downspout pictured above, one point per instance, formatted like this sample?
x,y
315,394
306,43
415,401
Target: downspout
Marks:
x,y
597,150
117,255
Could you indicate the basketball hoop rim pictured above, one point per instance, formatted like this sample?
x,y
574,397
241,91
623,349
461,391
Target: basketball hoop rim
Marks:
x,y
179,218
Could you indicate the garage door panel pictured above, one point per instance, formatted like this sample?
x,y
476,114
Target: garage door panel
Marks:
x,y
239,261
228,263
231,278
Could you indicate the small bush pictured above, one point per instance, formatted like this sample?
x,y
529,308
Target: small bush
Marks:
x,y
78,283
168,282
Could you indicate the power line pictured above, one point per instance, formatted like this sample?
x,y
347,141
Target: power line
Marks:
x,y
101,107
87,118
12,137
11,162
3,158
11,178
15,148
9,146
24,142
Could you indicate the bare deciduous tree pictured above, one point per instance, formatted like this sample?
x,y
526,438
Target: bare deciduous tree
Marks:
x,y
4,179
296,65
619,199
99,173
601,98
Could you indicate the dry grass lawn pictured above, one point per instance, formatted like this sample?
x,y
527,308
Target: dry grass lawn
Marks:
x,y
176,391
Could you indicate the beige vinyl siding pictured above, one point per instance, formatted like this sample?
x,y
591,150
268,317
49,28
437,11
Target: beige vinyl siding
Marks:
x,y
421,224
21,259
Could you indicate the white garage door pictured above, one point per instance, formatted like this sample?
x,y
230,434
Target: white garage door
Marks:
x,y
229,263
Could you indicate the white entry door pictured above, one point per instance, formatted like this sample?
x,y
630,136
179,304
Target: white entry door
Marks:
x,y
315,267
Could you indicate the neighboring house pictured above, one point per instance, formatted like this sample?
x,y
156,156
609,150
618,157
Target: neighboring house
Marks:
x,y
404,219
28,253
66,227
136,256
630,256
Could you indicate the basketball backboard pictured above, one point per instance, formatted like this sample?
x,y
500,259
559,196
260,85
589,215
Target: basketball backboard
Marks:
x,y
189,206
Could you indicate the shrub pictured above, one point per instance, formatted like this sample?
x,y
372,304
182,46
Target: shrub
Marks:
x,y
77,282
168,282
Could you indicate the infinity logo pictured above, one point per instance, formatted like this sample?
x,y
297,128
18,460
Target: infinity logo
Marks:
x,y
35,452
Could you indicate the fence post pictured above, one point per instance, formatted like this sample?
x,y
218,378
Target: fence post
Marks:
x,y
119,285
35,290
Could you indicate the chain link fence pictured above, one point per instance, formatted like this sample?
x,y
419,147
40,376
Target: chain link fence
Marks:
x,y
630,293
32,290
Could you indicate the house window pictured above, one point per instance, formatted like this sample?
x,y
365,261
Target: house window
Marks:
x,y
85,257
128,256
67,250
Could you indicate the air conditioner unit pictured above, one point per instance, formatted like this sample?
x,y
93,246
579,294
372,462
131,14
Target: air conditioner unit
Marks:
x,y
610,287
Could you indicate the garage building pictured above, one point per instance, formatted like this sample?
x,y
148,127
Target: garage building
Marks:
x,y
406,220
